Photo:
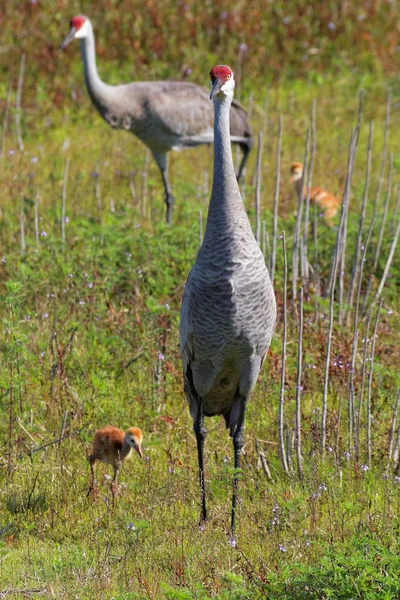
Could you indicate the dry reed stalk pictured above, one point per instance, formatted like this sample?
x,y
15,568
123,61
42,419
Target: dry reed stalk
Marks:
x,y
64,201
5,118
381,232
284,338
362,385
297,231
350,164
392,430
258,187
355,267
37,237
18,112
144,181
384,154
22,226
276,201
307,202
388,263
299,388
371,366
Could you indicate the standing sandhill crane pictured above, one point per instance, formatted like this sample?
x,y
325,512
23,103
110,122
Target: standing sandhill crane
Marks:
x,y
112,446
327,202
164,115
228,310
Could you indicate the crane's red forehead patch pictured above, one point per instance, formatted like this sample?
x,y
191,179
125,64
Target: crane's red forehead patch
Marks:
x,y
221,72
77,22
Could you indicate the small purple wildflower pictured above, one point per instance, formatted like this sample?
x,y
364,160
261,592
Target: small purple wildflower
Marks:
x,y
171,470
282,548
330,449
45,315
389,312
27,317
161,356
347,455
81,302
70,275
364,468
136,226
226,459
224,15
201,527
188,72
286,20
316,496
299,387
66,219
43,234
11,153
232,542
331,26
308,543
50,295
42,354
34,159
90,284
167,305
396,479
3,260
146,458
243,47
94,174
131,527
322,487
106,476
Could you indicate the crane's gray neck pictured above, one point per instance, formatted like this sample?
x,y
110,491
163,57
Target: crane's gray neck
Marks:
x,y
225,201
97,89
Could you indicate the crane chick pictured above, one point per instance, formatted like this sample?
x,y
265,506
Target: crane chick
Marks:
x,y
328,203
112,446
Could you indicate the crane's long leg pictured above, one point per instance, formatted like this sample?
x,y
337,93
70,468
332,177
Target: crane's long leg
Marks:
x,y
114,484
91,484
161,160
201,433
238,442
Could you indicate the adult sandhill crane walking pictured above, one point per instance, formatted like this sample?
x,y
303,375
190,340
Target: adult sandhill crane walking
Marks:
x,y
328,203
228,309
164,115
112,446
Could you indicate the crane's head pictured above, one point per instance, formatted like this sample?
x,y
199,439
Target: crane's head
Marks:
x,y
80,28
222,82
134,438
296,172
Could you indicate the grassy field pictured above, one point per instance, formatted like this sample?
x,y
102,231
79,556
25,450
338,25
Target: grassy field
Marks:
x,y
90,316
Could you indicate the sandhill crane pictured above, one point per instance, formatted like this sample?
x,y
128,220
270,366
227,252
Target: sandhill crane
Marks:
x,y
164,115
228,310
328,203
112,446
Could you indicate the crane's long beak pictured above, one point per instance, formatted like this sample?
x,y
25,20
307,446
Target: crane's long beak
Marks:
x,y
68,39
215,87
139,451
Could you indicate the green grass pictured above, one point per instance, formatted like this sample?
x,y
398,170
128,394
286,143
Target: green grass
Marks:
x,y
84,325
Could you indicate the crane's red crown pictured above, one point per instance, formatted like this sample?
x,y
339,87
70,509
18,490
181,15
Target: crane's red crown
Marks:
x,y
77,22
221,72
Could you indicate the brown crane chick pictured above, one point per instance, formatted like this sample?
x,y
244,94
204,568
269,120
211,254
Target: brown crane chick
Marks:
x,y
112,446
328,203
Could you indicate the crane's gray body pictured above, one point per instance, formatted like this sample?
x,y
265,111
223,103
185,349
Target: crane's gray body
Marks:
x,y
228,310
164,115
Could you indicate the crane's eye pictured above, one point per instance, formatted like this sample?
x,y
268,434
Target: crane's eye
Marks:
x,y
228,76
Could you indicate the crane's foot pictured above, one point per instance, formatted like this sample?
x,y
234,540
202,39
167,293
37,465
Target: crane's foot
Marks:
x,y
169,201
